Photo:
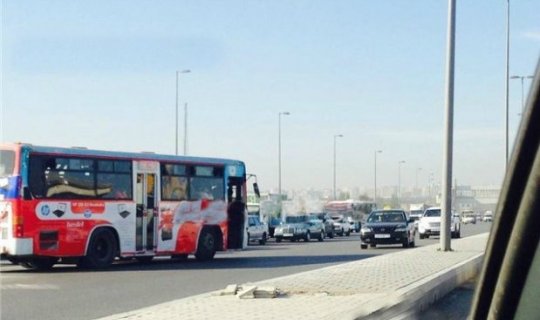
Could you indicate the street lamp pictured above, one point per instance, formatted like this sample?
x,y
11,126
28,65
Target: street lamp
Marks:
x,y
176,117
285,113
399,182
375,175
522,89
335,137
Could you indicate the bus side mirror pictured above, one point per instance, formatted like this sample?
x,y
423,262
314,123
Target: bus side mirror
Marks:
x,y
256,189
26,194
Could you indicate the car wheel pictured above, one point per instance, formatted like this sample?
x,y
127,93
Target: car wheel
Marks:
x,y
348,233
307,237
363,246
331,235
422,236
373,245
278,239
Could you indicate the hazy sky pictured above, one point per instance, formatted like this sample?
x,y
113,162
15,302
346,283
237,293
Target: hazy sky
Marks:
x,y
101,74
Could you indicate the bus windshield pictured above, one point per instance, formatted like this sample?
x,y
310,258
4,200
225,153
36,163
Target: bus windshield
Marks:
x,y
7,163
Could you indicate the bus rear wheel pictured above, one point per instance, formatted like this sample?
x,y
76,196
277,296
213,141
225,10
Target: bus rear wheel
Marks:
x,y
101,250
206,248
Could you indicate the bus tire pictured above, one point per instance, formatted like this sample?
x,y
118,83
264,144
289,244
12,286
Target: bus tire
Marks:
x,y
101,251
206,249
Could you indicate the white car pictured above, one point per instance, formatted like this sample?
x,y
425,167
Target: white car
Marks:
x,y
256,230
341,226
488,216
430,224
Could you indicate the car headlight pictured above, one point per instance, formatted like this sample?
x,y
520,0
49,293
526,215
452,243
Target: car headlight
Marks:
x,y
278,229
366,230
401,228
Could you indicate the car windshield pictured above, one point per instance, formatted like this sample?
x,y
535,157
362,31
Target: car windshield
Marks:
x,y
296,219
432,213
386,216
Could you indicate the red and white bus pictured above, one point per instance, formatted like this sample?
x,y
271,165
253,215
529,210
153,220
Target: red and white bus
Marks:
x,y
73,205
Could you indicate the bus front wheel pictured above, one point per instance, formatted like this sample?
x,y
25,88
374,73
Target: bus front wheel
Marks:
x,y
206,248
101,250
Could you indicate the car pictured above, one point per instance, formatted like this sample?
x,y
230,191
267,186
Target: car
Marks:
x,y
390,226
355,225
299,227
468,217
316,229
341,226
327,221
430,224
488,216
256,230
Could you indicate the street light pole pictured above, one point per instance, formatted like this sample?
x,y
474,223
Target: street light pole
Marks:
x,y
399,182
375,177
285,113
446,201
176,114
522,89
185,128
335,137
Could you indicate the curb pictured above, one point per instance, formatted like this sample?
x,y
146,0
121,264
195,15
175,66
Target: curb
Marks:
x,y
417,297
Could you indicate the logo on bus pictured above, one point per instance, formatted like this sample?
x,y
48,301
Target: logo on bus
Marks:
x,y
45,210
87,213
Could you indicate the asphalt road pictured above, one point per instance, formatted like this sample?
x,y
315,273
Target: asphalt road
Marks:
x,y
69,293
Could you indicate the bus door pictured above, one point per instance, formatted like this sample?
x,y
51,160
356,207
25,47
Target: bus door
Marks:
x,y
147,210
236,213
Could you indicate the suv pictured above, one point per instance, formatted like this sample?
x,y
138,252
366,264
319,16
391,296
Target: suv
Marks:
x,y
257,231
299,227
430,224
387,227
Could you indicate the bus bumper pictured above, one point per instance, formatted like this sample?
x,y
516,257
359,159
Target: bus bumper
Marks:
x,y
16,247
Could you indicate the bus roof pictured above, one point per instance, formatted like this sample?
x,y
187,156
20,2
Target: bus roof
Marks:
x,y
78,151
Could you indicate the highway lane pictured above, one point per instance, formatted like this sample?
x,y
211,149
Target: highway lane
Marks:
x,y
69,293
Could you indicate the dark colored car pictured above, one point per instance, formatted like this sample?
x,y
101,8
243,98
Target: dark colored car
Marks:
x,y
387,227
